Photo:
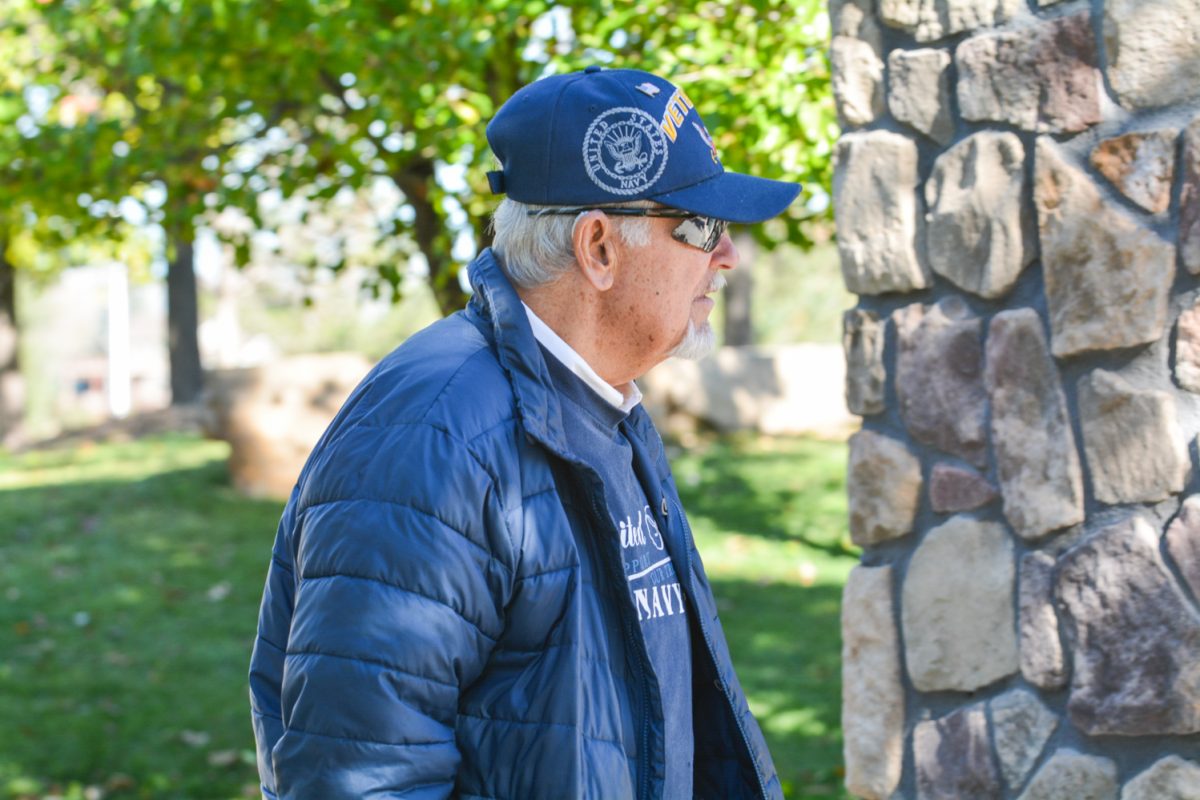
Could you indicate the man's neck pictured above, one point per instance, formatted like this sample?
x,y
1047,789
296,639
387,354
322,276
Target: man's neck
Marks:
x,y
622,399
575,315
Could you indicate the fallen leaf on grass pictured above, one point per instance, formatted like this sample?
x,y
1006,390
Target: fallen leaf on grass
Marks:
x,y
119,781
194,738
116,659
172,594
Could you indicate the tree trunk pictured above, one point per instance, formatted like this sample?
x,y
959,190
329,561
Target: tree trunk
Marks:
x,y
183,319
429,229
443,278
12,384
739,323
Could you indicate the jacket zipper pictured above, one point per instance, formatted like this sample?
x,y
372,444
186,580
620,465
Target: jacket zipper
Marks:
x,y
689,543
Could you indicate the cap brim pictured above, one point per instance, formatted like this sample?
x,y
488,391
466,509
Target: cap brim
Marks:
x,y
734,197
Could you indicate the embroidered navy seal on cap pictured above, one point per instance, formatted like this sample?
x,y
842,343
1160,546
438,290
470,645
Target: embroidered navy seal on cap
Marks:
x,y
610,136
624,151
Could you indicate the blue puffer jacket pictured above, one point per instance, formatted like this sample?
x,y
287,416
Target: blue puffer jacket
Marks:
x,y
446,612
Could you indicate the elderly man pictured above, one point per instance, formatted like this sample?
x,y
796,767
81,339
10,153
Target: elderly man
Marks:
x,y
484,584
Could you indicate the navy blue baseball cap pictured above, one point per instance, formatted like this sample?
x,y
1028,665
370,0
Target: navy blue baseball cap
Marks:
x,y
605,136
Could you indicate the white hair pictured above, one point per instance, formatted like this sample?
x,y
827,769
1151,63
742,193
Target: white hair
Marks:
x,y
697,343
700,341
538,250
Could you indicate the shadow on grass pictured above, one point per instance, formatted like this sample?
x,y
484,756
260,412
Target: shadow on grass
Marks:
x,y
786,642
795,493
127,612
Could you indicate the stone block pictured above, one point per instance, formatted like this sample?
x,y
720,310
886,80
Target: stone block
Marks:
x,y
939,377
872,697
1043,79
1153,49
1136,663
919,92
1108,278
1073,775
1036,458
856,18
857,80
957,607
1189,199
979,233
1187,348
885,487
953,757
272,415
1170,778
1183,542
953,488
863,336
1131,438
1141,165
1041,649
928,20
879,225
1022,726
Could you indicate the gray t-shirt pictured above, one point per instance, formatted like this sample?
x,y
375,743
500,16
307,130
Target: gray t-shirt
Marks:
x,y
601,434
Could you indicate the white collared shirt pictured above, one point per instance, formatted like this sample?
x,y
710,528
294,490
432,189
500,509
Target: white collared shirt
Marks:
x,y
574,362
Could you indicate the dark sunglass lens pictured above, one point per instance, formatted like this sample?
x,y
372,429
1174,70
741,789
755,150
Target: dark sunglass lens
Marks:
x,y
703,233
714,237
692,231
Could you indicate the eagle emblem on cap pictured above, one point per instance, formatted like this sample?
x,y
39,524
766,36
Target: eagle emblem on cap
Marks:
x,y
624,151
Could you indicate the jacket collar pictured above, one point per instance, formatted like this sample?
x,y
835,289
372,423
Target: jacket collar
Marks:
x,y
497,302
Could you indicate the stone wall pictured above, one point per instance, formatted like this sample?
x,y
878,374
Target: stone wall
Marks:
x,y
1017,194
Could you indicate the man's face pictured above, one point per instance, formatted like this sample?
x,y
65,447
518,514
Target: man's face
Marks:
x,y
667,288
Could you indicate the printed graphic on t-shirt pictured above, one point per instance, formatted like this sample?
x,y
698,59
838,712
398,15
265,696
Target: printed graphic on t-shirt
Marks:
x,y
656,590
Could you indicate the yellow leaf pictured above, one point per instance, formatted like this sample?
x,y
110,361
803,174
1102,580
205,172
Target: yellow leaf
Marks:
x,y
465,111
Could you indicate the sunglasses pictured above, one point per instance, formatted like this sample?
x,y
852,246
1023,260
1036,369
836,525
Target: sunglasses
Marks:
x,y
696,230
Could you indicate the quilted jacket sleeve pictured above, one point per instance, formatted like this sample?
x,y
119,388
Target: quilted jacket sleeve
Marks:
x,y
399,564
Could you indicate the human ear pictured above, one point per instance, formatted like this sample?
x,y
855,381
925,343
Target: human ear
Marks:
x,y
593,239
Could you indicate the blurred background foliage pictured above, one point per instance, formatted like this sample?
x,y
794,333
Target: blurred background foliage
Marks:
x,y
233,114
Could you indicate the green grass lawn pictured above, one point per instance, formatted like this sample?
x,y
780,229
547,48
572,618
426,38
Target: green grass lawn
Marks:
x,y
771,523
130,576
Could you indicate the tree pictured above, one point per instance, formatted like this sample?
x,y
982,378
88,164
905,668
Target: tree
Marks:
x,y
347,70
220,102
15,58
738,295
36,206
163,87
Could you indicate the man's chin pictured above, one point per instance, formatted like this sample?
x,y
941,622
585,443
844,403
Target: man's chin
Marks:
x,y
697,342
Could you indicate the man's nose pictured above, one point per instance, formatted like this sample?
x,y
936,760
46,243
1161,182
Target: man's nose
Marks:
x,y
726,255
